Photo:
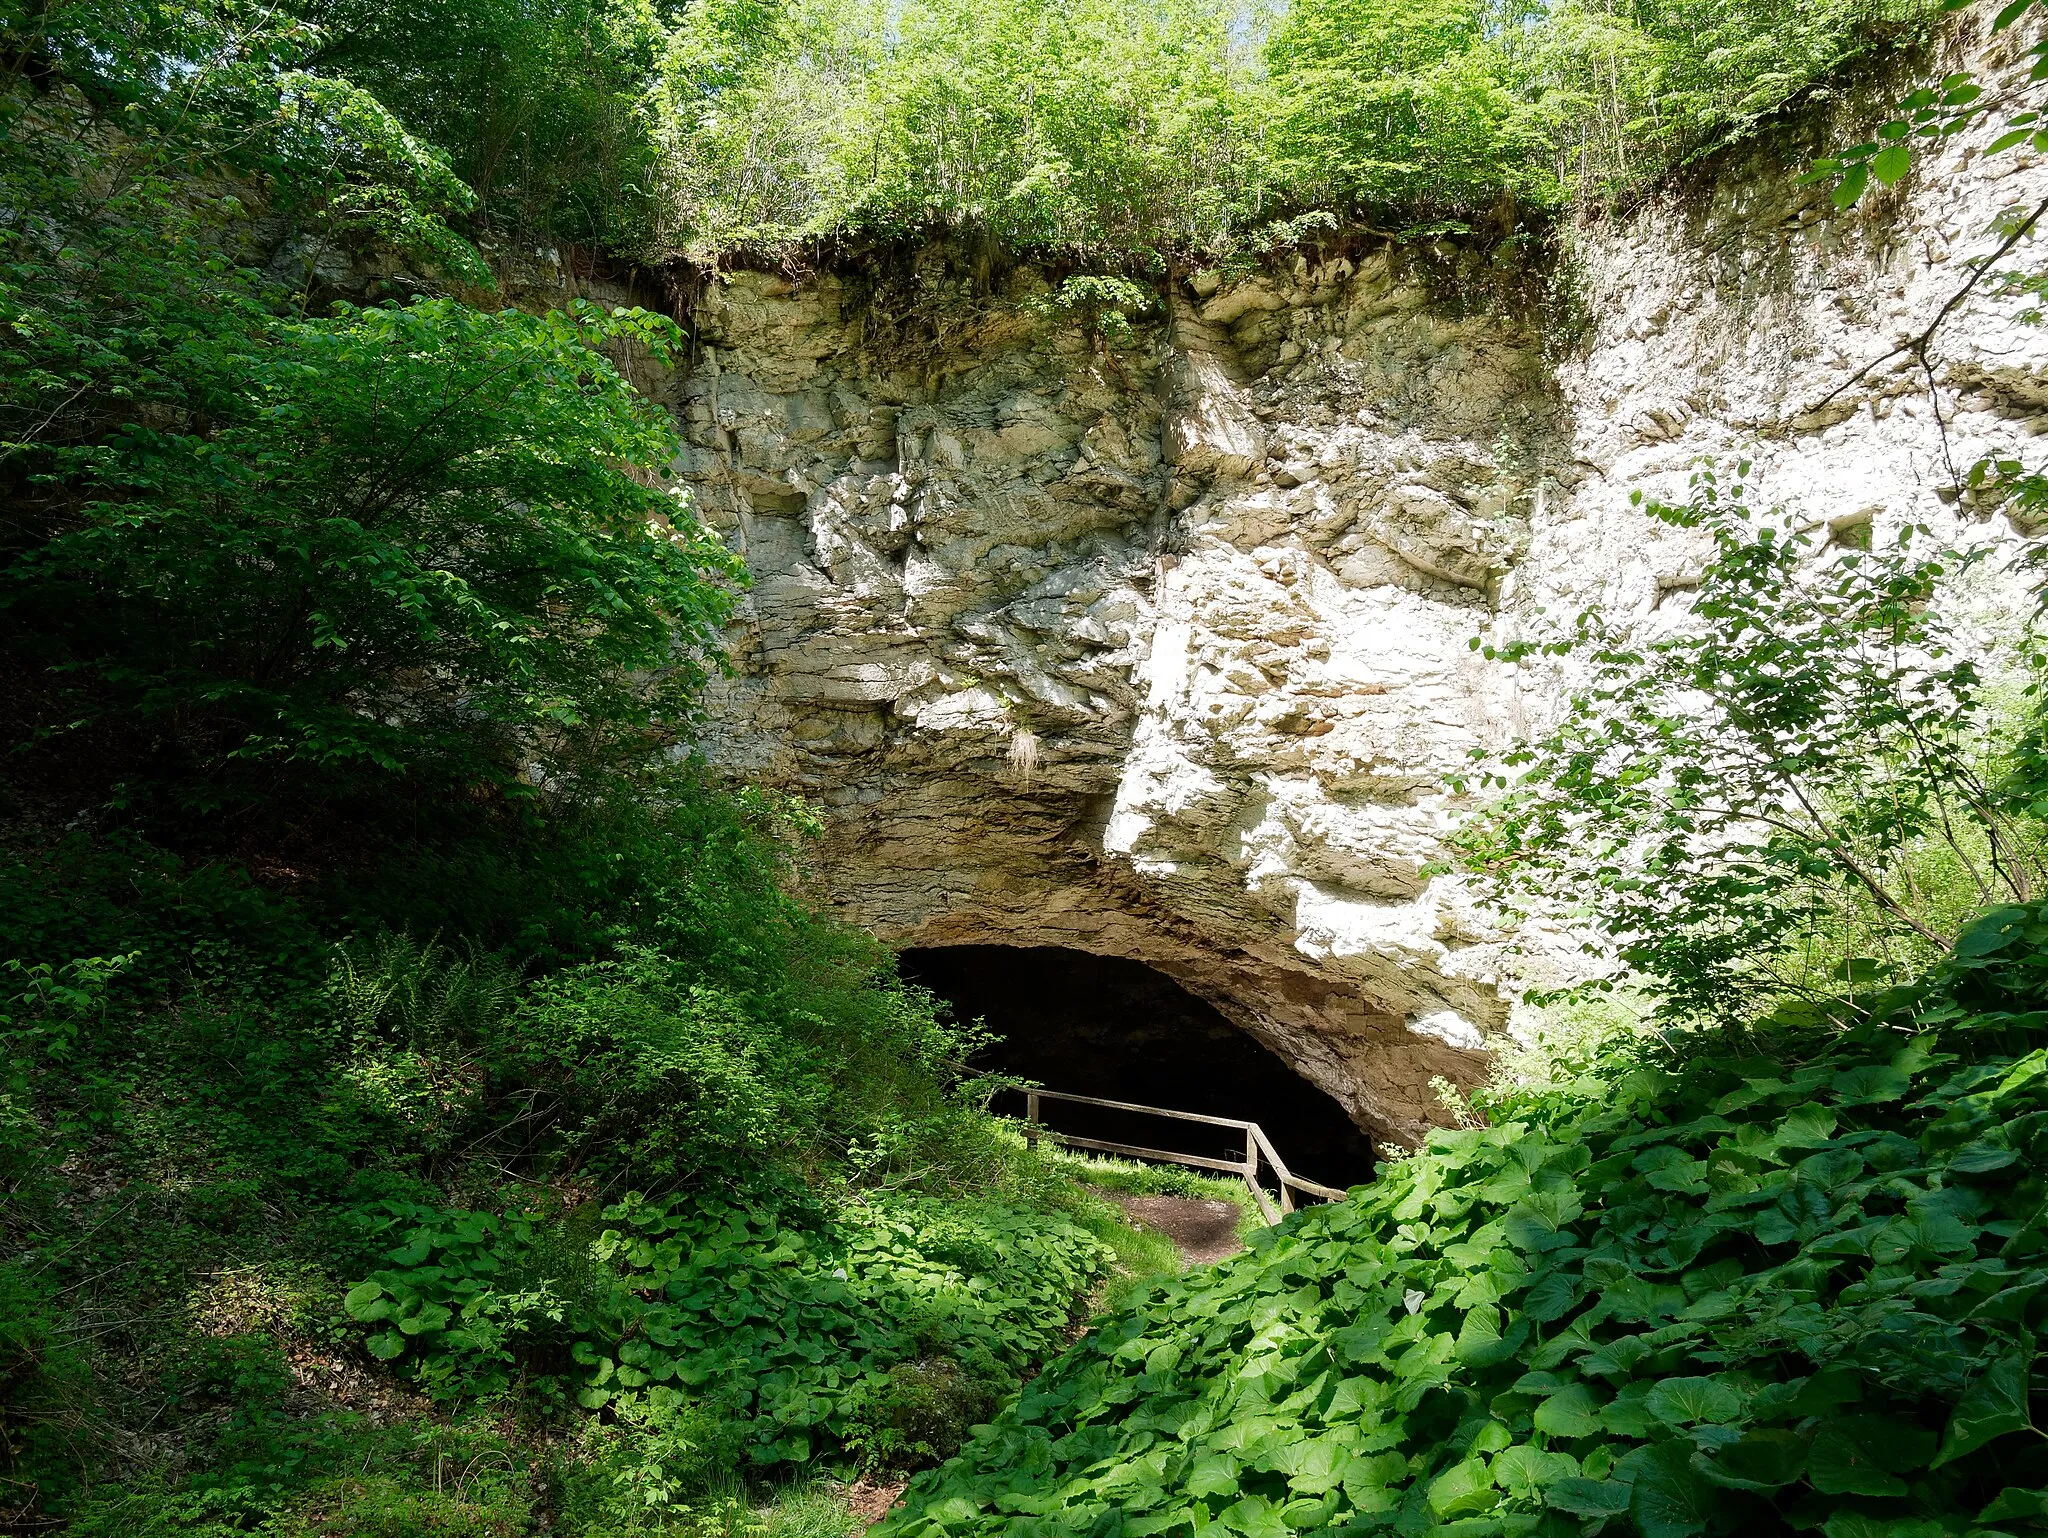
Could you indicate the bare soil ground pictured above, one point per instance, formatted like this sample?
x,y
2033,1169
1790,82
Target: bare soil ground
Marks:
x,y
1203,1231
869,1499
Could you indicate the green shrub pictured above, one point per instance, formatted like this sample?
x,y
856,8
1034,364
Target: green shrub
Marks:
x,y
1801,790
1794,1279
1130,138
879,1327
412,544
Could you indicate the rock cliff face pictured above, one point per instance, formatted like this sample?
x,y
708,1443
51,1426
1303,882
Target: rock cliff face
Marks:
x,y
1161,651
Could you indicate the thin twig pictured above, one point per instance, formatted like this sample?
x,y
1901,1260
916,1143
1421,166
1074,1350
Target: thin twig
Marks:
x,y
1917,346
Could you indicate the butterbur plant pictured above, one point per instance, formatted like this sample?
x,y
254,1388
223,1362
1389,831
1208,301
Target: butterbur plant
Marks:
x,y
803,1332
1796,1286
1794,786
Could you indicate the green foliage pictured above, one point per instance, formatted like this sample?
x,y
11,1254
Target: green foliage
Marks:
x,y
1552,1043
809,1514
1103,306
1932,112
538,106
391,604
410,539
1121,135
1125,136
1138,135
869,1328
1129,1178
339,1476
644,1069
217,1122
394,987
1796,1287
1936,111
1756,800
138,136
1092,126
279,551
1408,104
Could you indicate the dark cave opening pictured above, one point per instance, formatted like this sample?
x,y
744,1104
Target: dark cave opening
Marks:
x,y
1118,1030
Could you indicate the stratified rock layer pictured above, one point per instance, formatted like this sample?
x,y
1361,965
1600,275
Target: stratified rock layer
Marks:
x,y
1164,651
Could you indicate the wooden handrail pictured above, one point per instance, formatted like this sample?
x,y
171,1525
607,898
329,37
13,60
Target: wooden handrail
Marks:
x,y
1256,1146
1288,1179
1158,1155
1149,1110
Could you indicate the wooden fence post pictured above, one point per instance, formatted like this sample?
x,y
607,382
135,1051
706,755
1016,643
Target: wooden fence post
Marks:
x,y
1256,1147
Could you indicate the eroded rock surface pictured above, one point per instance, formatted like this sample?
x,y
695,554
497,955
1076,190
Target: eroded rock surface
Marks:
x,y
1163,652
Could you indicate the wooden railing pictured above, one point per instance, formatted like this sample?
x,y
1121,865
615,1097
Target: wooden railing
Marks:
x,y
1256,1147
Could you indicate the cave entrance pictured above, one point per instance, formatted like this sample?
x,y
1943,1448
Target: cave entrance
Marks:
x,y
1116,1029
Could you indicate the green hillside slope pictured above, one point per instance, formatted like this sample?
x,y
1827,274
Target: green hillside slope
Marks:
x,y
1776,1283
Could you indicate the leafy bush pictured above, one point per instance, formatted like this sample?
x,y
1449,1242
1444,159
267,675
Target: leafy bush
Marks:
x,y
412,542
1789,1280
1797,786
654,1072
1131,137
877,1327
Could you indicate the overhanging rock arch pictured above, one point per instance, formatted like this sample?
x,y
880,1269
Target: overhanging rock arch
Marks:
x,y
1164,653
1122,656
941,861
1082,1024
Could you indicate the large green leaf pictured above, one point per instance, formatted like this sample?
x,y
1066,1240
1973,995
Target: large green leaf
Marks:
x,y
1761,1460
2017,1505
385,1345
1871,1084
1589,1498
1538,1221
1549,1298
1526,1473
1982,1157
1684,1401
1851,1523
1891,163
1214,1475
1462,1489
429,1318
1314,1466
1668,1499
366,1302
1838,1465
1992,1407
1992,932
1866,1454
1569,1413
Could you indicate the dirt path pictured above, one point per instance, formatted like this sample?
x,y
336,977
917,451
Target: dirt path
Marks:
x,y
870,1499
1203,1231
